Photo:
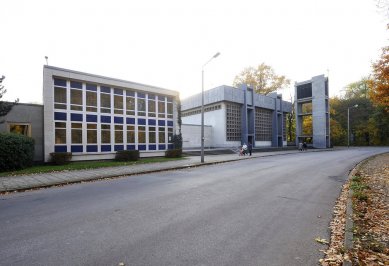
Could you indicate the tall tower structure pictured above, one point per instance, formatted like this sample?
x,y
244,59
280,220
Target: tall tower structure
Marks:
x,y
312,112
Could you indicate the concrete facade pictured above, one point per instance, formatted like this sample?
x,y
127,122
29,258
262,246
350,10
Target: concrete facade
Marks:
x,y
26,119
216,105
313,94
123,115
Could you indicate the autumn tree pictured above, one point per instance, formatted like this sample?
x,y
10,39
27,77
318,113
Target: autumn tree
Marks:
x,y
379,85
5,107
262,79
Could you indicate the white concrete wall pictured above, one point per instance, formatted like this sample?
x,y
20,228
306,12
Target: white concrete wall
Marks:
x,y
191,136
216,120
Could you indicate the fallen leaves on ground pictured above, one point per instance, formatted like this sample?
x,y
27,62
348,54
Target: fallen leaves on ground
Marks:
x,y
371,216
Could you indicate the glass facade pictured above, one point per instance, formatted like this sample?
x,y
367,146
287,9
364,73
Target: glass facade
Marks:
x,y
94,118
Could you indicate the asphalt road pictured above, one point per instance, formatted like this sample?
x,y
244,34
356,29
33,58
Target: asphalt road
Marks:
x,y
264,211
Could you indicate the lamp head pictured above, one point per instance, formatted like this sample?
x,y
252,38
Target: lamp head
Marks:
x,y
356,105
216,55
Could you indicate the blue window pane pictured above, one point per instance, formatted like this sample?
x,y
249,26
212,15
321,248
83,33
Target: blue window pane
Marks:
x,y
105,147
131,147
105,119
118,120
91,148
152,122
60,82
76,84
60,148
76,117
76,148
161,98
169,99
141,95
91,87
118,91
141,121
142,147
105,89
91,118
170,123
152,147
119,147
130,120
130,93
151,96
59,116
161,122
161,147
170,146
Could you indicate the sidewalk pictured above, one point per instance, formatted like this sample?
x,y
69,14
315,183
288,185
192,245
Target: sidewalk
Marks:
x,y
24,182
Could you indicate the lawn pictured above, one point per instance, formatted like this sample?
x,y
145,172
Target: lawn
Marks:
x,y
46,168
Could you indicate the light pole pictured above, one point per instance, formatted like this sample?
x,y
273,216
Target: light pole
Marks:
x,y
348,124
202,105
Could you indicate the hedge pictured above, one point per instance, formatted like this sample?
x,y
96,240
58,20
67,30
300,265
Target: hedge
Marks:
x,y
16,151
176,153
61,158
126,155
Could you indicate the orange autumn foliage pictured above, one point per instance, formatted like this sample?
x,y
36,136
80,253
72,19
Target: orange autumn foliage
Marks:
x,y
379,85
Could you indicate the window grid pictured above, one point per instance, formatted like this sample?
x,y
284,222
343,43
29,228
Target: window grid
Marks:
x,y
198,111
99,100
233,125
263,124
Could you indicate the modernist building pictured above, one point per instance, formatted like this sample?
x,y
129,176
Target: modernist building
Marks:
x,y
234,116
312,112
93,116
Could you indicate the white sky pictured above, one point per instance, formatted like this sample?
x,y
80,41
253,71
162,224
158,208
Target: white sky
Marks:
x,y
165,43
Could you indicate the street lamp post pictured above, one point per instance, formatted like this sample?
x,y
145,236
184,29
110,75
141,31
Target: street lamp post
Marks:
x,y
202,106
348,124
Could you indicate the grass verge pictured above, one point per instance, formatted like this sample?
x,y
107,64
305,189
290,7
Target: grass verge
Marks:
x,y
48,168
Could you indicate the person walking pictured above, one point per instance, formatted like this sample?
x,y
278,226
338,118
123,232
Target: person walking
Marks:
x,y
244,148
304,146
250,147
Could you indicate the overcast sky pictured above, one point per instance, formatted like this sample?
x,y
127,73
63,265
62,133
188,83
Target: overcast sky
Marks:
x,y
165,43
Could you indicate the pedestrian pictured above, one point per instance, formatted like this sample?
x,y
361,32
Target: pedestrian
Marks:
x,y
250,146
244,148
300,146
304,146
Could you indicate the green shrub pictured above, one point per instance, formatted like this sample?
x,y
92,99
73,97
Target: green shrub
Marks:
x,y
16,151
177,141
61,158
126,155
176,153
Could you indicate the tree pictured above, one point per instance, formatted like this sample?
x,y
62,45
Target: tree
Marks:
x,y
358,89
369,123
262,79
5,107
380,83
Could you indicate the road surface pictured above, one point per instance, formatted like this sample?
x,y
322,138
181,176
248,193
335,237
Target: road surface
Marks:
x,y
263,211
